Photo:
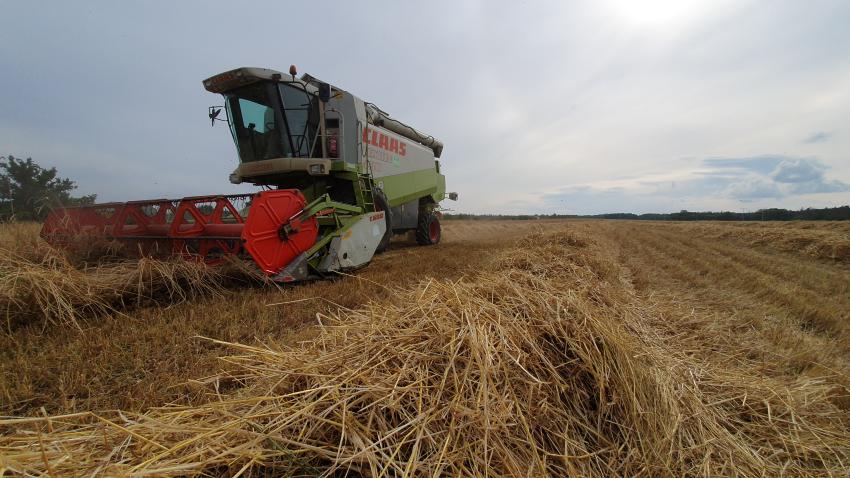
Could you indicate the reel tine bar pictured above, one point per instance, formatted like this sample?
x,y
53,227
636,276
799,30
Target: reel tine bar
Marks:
x,y
204,227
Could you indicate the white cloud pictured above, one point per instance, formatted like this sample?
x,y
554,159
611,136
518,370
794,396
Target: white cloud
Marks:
x,y
797,171
610,102
720,183
751,188
818,137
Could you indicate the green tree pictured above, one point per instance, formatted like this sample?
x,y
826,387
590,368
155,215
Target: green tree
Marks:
x,y
29,192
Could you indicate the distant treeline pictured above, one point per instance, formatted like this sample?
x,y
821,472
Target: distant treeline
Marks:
x,y
840,213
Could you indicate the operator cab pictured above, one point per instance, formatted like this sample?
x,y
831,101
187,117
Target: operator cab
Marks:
x,y
274,119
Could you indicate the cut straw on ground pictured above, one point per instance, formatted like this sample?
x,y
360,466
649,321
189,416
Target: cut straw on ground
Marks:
x,y
547,363
41,284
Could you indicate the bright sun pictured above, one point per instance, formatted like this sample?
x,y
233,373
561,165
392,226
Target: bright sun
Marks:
x,y
655,13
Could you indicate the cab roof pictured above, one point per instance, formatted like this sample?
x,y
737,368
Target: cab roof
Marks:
x,y
231,79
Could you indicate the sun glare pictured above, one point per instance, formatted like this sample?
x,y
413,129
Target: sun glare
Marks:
x,y
656,13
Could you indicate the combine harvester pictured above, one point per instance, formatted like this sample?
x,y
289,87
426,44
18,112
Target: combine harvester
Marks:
x,y
340,176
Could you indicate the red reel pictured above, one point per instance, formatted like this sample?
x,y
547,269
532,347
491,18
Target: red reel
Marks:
x,y
274,235
208,228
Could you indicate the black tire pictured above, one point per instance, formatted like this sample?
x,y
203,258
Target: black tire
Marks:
x,y
381,204
428,231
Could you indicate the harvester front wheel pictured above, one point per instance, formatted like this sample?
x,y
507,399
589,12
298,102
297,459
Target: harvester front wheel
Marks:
x,y
381,204
428,231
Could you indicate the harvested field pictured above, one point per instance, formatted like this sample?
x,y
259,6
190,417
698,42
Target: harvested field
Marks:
x,y
823,240
132,357
513,348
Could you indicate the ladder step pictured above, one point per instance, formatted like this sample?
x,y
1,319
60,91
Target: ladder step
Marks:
x,y
367,190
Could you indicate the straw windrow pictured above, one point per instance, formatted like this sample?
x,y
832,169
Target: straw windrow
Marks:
x,y
827,241
547,363
40,284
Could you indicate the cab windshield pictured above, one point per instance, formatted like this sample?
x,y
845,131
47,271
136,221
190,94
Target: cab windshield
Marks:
x,y
270,120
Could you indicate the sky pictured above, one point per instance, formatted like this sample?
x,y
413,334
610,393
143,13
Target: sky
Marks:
x,y
572,107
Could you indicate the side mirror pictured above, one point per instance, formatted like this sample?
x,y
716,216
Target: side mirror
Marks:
x,y
324,92
453,196
213,112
